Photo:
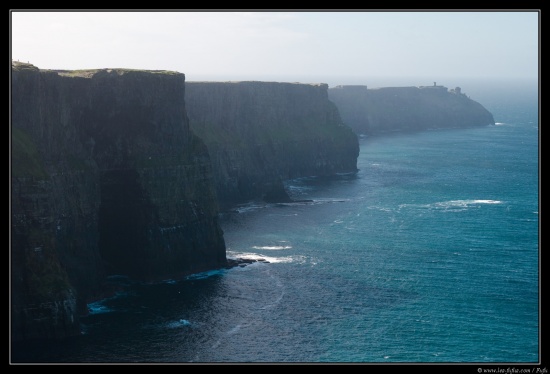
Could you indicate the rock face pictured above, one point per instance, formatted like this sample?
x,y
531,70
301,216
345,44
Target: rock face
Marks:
x,y
261,133
106,178
389,109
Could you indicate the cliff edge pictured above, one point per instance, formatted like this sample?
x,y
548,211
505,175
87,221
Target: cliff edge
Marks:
x,y
106,179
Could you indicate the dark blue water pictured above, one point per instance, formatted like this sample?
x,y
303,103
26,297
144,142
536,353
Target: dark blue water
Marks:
x,y
430,253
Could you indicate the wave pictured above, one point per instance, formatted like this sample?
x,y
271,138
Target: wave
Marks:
x,y
254,206
179,323
298,189
315,202
273,247
462,203
234,330
284,215
98,308
266,259
249,207
205,274
452,204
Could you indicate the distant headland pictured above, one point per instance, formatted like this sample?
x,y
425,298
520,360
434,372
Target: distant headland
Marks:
x,y
372,111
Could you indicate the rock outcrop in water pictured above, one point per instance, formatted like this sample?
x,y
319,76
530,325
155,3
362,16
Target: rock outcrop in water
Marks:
x,y
106,178
262,133
390,109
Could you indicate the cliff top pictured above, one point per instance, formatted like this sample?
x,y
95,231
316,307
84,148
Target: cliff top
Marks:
x,y
258,82
351,86
20,66
88,73
358,87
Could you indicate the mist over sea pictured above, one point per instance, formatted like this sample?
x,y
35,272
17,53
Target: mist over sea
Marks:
x,y
429,254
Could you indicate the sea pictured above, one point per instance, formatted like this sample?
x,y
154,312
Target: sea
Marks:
x,y
430,254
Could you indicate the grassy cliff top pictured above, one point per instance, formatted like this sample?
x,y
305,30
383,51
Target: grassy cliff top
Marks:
x,y
87,73
20,66
257,82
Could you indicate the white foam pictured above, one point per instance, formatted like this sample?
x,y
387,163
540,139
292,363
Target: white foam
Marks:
x,y
487,202
384,209
329,201
98,308
288,259
273,247
272,260
464,203
248,256
179,323
234,329
204,274
452,204
249,208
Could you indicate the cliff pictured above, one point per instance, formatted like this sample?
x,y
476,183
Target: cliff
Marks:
x,y
106,178
261,133
381,110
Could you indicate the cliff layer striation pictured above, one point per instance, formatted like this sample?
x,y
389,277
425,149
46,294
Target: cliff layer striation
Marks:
x,y
106,179
262,133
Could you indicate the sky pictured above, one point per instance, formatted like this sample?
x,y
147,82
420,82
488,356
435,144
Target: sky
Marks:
x,y
357,47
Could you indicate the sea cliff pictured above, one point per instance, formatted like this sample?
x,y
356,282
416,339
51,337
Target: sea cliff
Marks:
x,y
106,179
390,109
262,133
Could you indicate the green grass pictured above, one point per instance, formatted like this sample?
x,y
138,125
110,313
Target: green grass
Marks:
x,y
22,66
88,73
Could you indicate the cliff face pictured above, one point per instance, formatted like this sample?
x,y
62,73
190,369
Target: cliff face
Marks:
x,y
381,110
261,133
106,178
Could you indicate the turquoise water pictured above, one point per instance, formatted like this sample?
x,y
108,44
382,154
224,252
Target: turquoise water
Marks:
x,y
430,253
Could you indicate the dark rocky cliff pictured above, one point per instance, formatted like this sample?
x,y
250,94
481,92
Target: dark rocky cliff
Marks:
x,y
389,109
261,133
106,178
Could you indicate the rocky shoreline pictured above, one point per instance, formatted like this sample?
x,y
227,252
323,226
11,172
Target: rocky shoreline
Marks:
x,y
242,262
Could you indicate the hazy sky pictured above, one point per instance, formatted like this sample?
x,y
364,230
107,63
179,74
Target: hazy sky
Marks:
x,y
285,46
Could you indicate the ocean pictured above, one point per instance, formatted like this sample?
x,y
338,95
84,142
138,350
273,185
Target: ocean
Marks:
x,y
428,254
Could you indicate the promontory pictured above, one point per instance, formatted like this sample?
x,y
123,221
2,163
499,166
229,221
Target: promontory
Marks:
x,y
394,109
